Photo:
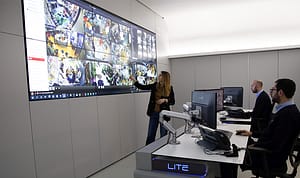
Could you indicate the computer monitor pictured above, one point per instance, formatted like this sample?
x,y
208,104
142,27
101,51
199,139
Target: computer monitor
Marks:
x,y
233,96
220,97
206,103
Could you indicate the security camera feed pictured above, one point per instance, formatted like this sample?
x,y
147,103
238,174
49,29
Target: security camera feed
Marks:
x,y
76,49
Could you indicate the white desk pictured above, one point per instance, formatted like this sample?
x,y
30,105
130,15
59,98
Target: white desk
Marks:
x,y
188,149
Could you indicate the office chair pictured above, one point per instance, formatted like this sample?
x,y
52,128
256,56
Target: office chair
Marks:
x,y
265,171
294,157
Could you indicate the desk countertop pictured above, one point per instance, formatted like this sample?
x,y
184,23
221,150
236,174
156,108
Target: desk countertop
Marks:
x,y
189,149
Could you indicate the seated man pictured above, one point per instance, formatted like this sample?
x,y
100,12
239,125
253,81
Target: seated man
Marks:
x,y
281,132
283,129
262,110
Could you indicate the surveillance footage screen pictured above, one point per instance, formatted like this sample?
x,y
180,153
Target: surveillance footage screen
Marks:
x,y
76,49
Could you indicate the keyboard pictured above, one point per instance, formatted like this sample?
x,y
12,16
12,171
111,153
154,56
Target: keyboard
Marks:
x,y
239,113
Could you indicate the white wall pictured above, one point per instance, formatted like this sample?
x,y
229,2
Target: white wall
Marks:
x,y
49,138
69,137
16,150
234,70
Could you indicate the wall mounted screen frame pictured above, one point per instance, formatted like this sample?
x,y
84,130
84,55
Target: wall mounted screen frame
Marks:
x,y
76,49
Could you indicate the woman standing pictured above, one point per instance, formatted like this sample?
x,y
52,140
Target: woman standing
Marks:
x,y
161,97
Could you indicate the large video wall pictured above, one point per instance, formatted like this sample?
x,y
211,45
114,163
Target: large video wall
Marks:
x,y
76,49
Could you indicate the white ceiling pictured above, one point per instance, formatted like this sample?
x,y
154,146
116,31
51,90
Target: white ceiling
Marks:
x,y
194,20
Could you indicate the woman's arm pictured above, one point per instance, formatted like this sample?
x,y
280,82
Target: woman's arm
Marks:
x,y
144,87
140,86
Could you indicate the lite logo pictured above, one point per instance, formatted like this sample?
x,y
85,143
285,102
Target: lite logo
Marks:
x,y
178,167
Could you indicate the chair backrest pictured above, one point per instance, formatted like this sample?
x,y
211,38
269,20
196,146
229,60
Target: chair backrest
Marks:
x,y
294,157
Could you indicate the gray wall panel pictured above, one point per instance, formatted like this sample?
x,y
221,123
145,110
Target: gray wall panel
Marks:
x,y
109,125
85,135
207,72
289,62
163,67
143,16
234,72
127,124
262,66
237,70
183,81
52,138
141,103
16,150
11,17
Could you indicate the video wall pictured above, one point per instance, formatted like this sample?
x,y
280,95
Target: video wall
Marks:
x,y
75,49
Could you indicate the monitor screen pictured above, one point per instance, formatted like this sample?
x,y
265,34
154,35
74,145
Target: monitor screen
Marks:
x,y
76,49
206,103
233,96
220,97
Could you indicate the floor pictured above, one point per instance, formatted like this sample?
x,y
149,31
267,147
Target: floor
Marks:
x,y
121,169
125,168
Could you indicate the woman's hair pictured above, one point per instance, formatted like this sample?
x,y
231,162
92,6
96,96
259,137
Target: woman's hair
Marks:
x,y
166,82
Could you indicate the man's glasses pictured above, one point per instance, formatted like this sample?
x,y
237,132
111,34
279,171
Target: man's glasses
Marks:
x,y
273,89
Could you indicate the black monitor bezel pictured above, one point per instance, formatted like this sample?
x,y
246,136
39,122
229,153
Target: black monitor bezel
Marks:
x,y
239,93
220,99
211,113
65,92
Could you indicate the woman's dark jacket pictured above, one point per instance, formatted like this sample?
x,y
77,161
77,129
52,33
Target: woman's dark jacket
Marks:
x,y
151,105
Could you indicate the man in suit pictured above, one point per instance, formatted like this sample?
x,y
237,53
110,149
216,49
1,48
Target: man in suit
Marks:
x,y
260,119
261,111
279,135
284,127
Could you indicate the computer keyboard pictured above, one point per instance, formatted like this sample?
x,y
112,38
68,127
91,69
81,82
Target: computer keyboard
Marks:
x,y
239,113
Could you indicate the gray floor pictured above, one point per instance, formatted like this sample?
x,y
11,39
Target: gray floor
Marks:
x,y
125,167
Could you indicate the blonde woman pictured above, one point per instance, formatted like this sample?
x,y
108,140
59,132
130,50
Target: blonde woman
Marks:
x,y
161,97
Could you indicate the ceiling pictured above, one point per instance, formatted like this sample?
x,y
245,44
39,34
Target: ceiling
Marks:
x,y
212,20
203,17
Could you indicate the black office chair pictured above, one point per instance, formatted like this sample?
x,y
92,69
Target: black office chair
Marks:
x,y
294,158
265,171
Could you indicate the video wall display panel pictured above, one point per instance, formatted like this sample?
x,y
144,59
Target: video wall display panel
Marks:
x,y
77,49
